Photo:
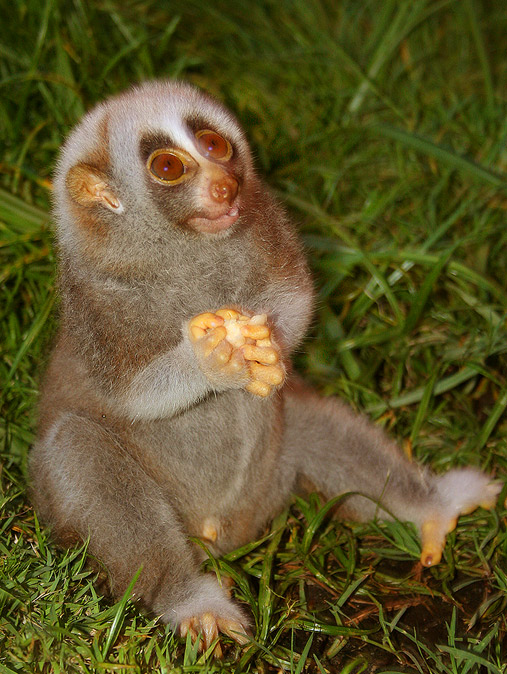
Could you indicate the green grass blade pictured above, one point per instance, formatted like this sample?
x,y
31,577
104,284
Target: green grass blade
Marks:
x,y
447,156
119,615
415,396
33,333
266,596
468,657
423,294
20,215
424,404
473,20
386,47
496,414
304,655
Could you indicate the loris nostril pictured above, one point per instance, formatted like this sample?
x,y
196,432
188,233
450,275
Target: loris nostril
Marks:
x,y
224,189
220,191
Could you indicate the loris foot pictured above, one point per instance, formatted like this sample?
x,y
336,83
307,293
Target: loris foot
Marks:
x,y
461,491
238,349
207,626
206,611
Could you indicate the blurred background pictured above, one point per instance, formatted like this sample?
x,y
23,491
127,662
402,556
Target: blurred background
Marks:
x,y
381,125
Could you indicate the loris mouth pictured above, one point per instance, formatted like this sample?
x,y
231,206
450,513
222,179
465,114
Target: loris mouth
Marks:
x,y
216,224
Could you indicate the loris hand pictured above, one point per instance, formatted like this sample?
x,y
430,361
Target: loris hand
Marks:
x,y
253,336
237,350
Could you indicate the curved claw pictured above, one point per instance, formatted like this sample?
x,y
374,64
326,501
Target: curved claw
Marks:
x,y
207,627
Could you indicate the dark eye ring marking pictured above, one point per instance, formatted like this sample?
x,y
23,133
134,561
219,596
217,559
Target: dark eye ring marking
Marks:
x,y
213,145
169,165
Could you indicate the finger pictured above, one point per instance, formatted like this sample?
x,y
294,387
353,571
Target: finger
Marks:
x,y
269,374
221,350
266,355
255,331
203,322
197,332
259,319
236,361
214,338
259,388
228,314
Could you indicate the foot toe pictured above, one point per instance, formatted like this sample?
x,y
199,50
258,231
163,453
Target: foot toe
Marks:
x,y
234,630
207,627
433,541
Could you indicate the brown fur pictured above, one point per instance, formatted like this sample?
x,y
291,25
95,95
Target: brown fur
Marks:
x,y
145,438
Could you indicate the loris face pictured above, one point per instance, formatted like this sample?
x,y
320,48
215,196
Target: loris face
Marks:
x,y
160,161
199,170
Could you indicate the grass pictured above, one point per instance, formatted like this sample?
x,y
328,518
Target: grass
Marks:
x,y
382,125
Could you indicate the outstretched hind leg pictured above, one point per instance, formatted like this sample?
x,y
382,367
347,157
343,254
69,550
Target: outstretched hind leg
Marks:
x,y
340,452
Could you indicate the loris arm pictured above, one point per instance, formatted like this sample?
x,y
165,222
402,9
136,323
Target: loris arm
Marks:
x,y
218,351
210,357
158,365
170,383
149,365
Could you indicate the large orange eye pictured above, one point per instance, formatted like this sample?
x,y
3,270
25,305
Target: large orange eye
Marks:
x,y
166,166
212,145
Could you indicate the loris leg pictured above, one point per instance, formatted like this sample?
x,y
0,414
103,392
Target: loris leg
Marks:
x,y
86,483
341,452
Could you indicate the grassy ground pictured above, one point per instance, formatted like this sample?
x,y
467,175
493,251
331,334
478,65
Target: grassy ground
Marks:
x,y
382,124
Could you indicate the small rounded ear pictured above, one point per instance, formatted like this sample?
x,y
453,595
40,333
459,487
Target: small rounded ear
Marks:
x,y
88,186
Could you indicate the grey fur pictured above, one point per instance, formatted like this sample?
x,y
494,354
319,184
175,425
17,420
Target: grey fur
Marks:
x,y
143,440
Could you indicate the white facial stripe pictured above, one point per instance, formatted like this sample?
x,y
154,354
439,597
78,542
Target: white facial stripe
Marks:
x,y
174,128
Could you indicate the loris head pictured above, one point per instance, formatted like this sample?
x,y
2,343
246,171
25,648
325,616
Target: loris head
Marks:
x,y
148,169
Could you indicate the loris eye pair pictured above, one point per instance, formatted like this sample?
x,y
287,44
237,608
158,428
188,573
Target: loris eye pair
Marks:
x,y
171,166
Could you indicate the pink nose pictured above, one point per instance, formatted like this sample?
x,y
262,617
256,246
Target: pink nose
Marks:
x,y
223,189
